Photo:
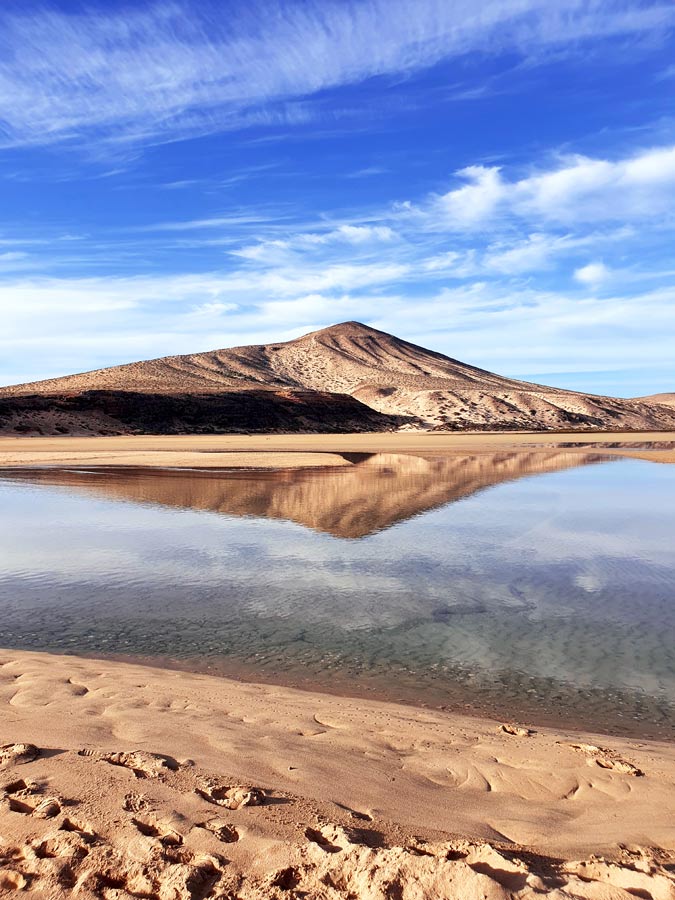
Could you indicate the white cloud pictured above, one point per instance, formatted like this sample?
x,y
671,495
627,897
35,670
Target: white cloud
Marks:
x,y
276,250
263,251
361,234
536,252
233,220
75,324
476,201
580,189
291,281
214,308
450,260
592,274
12,256
167,71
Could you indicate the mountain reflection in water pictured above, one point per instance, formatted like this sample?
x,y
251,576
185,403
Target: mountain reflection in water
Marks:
x,y
444,580
370,493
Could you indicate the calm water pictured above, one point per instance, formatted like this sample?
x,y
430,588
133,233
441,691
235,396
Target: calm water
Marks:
x,y
537,585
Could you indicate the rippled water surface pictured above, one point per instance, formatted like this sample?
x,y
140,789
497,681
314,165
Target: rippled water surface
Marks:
x,y
526,584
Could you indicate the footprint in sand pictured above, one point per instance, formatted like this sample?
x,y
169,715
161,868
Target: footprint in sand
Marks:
x,y
47,808
355,813
225,832
323,838
16,793
135,802
140,762
192,880
70,845
83,832
607,759
18,754
231,797
11,880
20,788
13,804
77,689
516,730
150,827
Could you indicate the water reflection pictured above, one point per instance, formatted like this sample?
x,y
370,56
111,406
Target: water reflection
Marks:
x,y
551,596
372,492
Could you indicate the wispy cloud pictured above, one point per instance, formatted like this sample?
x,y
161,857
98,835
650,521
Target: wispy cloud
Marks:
x,y
164,71
275,250
233,220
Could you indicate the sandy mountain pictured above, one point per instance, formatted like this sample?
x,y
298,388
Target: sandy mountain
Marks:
x,y
364,372
660,399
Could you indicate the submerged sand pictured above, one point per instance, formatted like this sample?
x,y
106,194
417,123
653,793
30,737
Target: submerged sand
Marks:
x,y
164,784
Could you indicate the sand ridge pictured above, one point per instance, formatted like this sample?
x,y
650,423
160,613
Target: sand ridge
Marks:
x,y
120,781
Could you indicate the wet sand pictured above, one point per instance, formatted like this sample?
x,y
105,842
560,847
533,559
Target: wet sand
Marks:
x,y
292,450
152,783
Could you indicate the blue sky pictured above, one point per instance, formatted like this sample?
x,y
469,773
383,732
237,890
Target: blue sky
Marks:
x,y
494,179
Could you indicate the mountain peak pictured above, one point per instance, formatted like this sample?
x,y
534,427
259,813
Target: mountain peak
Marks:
x,y
346,328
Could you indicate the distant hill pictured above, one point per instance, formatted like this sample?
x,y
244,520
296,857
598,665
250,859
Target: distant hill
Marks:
x,y
348,377
660,399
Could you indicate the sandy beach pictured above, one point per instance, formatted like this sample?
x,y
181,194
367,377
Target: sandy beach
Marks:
x,y
295,450
120,780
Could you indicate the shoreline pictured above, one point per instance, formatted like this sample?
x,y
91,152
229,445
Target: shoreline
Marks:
x,y
306,450
349,788
356,690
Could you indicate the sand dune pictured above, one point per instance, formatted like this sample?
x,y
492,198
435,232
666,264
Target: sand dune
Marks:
x,y
349,499
348,377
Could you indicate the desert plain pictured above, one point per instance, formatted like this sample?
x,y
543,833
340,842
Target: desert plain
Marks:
x,y
120,780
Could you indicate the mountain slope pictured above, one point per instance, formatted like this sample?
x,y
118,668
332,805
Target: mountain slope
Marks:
x,y
659,399
338,359
403,383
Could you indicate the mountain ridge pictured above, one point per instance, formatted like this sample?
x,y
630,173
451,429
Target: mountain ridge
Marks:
x,y
365,372
664,399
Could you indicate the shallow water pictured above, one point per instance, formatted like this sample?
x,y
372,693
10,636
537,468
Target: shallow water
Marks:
x,y
536,585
